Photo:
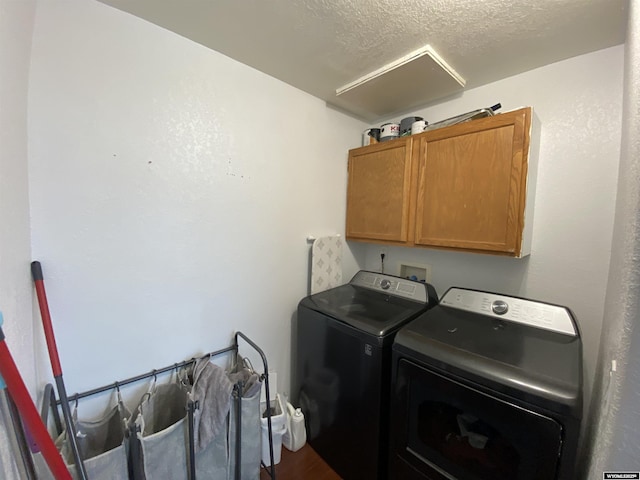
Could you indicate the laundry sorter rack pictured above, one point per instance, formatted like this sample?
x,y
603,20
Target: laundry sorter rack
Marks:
x,y
52,404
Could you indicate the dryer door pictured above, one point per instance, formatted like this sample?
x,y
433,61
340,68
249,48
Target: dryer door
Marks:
x,y
445,429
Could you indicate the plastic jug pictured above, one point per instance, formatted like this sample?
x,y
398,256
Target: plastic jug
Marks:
x,y
296,435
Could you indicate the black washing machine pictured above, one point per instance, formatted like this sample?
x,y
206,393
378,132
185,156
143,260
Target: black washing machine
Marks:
x,y
486,387
342,367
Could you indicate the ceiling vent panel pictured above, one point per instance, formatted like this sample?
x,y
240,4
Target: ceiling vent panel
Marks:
x,y
416,79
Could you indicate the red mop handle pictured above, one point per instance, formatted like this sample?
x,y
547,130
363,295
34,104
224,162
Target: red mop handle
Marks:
x,y
29,414
38,280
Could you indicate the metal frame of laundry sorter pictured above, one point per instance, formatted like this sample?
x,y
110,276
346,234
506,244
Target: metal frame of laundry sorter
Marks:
x,y
52,403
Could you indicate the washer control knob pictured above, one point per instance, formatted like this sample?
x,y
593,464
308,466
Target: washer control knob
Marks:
x,y
499,307
385,284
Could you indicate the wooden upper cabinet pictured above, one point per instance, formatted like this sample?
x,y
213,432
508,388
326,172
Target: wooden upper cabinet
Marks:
x,y
472,184
464,187
379,191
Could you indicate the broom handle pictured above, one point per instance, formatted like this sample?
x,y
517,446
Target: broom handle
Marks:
x,y
29,414
38,280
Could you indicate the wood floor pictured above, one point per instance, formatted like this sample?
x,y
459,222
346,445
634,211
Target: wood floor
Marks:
x,y
305,464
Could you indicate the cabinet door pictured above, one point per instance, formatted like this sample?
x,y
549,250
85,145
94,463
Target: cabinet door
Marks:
x,y
378,193
472,184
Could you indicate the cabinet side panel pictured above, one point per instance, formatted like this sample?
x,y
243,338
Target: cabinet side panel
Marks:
x,y
532,152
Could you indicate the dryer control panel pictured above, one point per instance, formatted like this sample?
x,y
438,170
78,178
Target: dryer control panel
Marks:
x,y
391,285
514,309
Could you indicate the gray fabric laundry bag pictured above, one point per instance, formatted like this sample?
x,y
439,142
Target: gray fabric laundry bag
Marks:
x,y
162,435
212,462
251,427
215,421
210,390
251,438
102,446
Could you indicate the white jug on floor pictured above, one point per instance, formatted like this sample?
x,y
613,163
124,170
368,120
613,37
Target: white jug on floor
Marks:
x,y
296,435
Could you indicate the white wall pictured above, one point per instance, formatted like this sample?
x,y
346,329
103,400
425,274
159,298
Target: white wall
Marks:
x,y
16,28
615,443
172,191
578,103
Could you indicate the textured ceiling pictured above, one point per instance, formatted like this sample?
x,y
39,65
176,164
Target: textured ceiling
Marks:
x,y
321,45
